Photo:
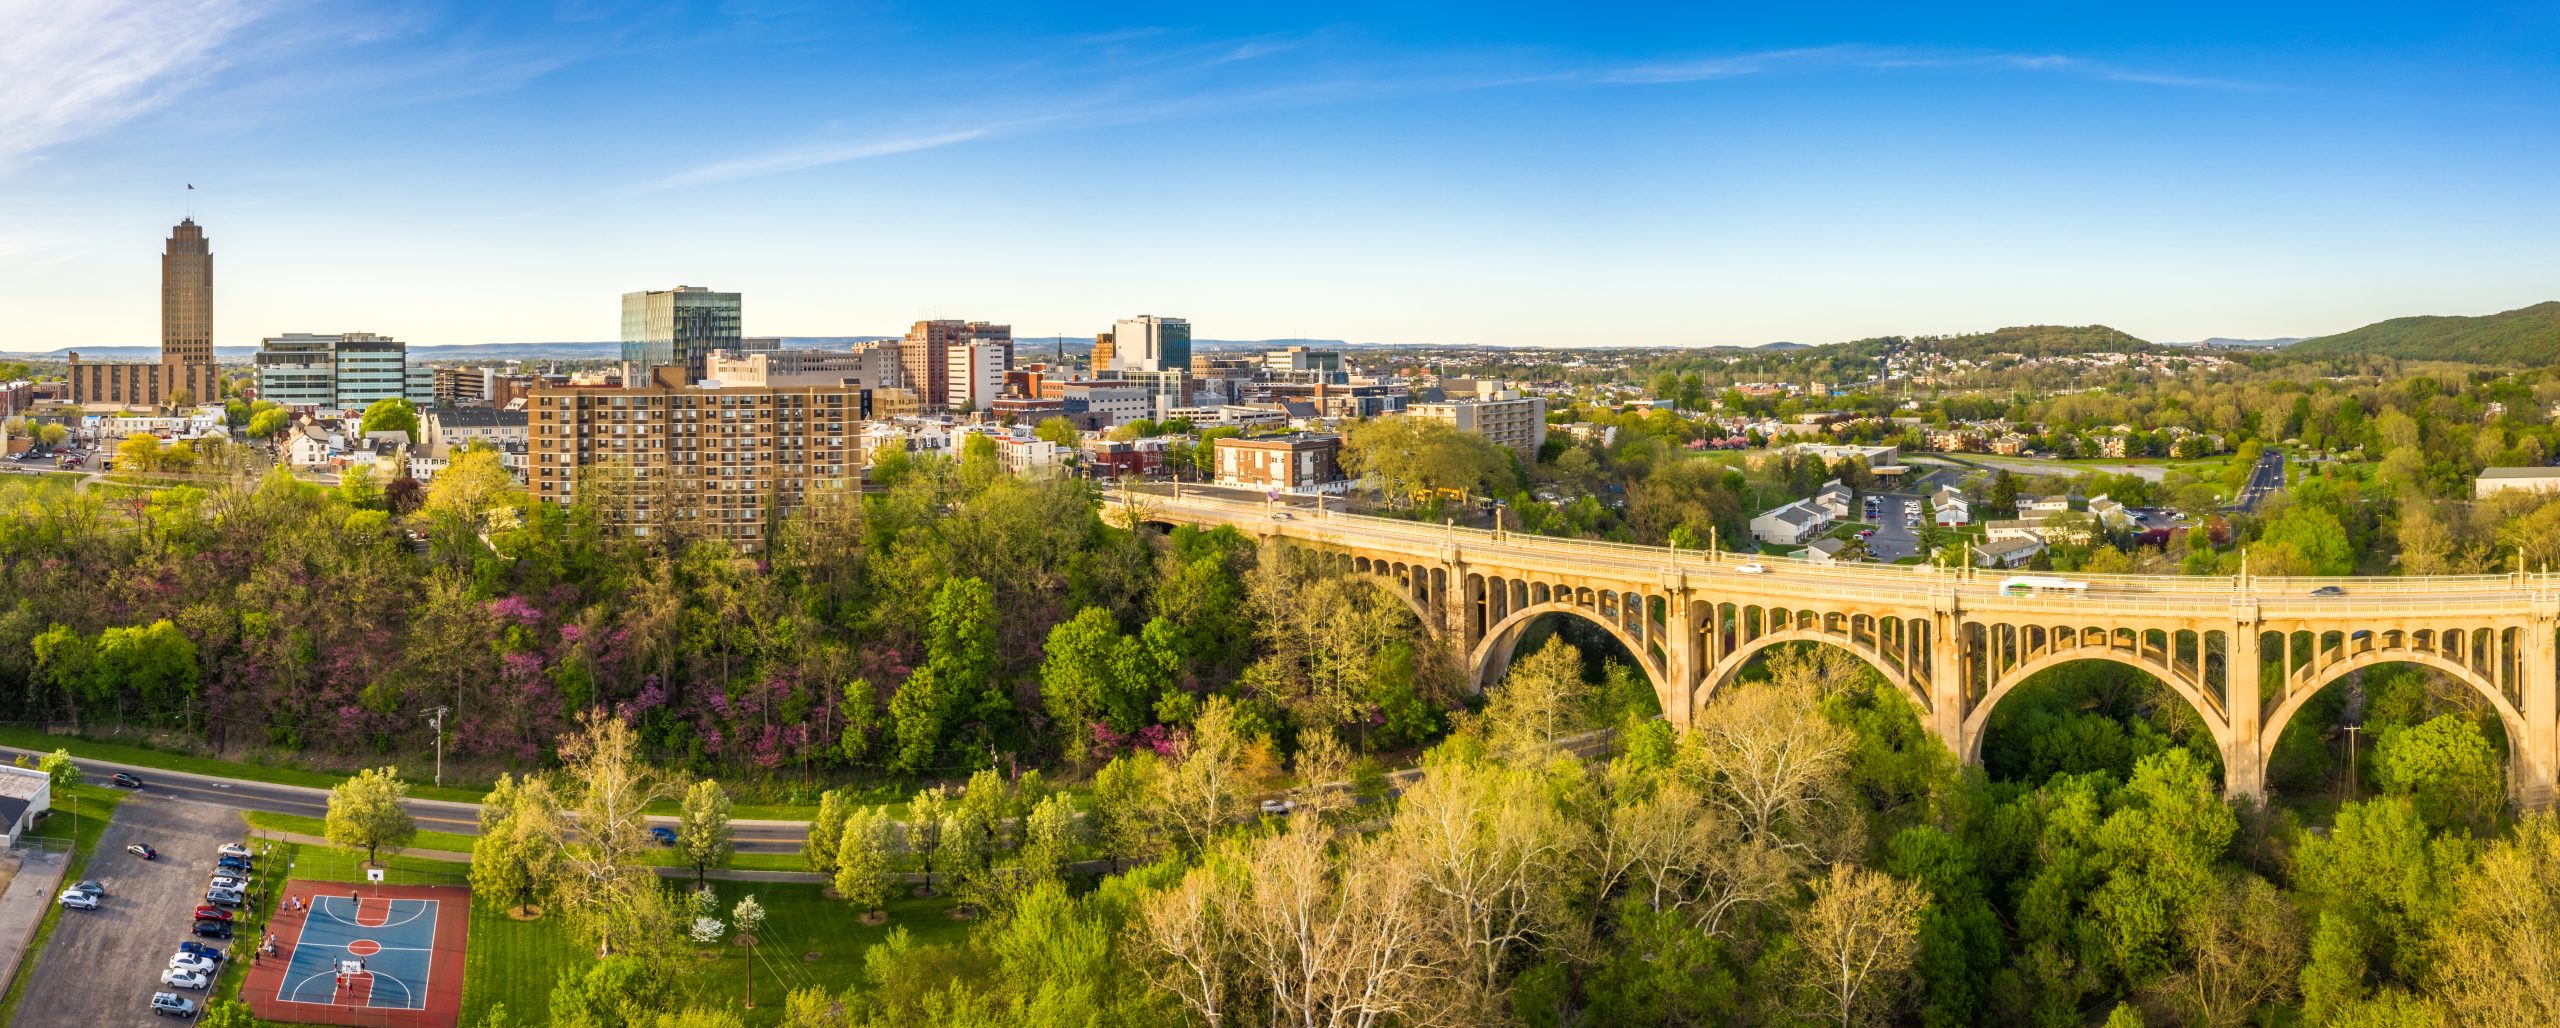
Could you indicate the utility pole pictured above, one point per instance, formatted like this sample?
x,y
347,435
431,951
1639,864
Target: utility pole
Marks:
x,y
438,722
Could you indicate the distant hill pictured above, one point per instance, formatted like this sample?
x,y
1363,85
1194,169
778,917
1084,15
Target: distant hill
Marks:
x,y
2527,335
2227,343
2036,341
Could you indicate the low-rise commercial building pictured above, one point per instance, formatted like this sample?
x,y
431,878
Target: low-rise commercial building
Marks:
x,y
346,371
2531,480
1299,462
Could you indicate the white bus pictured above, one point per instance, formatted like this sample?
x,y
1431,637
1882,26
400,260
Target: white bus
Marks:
x,y
2040,585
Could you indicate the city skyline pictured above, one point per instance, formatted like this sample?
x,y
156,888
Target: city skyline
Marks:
x,y
1697,178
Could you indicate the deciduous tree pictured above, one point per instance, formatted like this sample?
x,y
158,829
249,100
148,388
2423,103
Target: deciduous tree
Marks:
x,y
703,836
365,813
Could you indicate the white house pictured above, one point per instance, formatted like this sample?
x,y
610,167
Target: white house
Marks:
x,y
1790,525
2033,507
1835,499
1951,508
1825,550
2008,553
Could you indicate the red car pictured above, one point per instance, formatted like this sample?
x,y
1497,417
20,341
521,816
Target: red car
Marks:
x,y
213,914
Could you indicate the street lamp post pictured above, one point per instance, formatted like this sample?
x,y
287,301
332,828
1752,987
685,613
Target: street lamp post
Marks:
x,y
438,721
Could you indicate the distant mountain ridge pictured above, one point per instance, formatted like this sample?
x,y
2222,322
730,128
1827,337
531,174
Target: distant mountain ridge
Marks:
x,y
2526,335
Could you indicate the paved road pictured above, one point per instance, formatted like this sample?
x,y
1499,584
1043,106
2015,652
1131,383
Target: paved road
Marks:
x,y
102,965
432,815
2264,480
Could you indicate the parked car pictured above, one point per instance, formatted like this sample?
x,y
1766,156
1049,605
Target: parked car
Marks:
x,y
240,864
143,850
170,1004
223,883
197,949
185,961
233,849
91,887
662,835
220,897
1278,806
212,930
125,780
78,900
178,979
213,914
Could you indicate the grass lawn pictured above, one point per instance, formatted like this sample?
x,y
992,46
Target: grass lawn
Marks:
x,y
516,962
95,806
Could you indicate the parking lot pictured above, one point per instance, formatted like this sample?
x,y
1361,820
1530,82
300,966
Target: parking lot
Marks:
x,y
102,965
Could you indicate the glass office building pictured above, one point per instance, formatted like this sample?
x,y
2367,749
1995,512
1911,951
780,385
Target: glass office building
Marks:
x,y
679,326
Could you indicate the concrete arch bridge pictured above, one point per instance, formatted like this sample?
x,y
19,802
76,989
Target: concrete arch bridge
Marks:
x,y
1953,641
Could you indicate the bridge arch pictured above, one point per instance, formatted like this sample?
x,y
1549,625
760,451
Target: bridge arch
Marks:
x,y
1977,723
2325,675
1493,653
1732,663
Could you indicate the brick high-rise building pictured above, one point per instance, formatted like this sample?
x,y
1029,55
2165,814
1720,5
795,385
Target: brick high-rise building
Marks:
x,y
186,336
926,353
730,461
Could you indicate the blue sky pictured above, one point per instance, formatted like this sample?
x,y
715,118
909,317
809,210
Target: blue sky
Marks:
x,y
1497,173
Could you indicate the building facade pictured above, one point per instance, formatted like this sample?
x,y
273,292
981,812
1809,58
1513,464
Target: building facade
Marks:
x,y
1300,462
925,354
729,462
973,374
346,371
679,326
186,369
1503,416
873,366
1151,343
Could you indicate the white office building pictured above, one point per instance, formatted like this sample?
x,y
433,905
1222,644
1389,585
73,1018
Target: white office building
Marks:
x,y
346,371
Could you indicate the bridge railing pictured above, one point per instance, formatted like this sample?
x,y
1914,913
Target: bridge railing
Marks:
x,y
2450,593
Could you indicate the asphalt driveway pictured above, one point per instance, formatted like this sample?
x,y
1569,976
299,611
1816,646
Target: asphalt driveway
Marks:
x,y
102,965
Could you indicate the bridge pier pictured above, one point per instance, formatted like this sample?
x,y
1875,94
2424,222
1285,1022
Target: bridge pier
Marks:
x,y
2536,759
2244,765
1947,675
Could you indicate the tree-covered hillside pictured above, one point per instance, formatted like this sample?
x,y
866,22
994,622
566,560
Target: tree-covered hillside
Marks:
x,y
2529,335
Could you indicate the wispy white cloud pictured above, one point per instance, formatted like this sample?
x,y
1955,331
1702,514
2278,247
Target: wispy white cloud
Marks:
x,y
815,155
78,69
1879,58
1168,83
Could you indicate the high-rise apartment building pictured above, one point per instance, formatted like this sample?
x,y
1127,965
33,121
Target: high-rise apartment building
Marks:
x,y
679,326
731,461
186,368
975,372
346,371
1150,343
926,352
1503,416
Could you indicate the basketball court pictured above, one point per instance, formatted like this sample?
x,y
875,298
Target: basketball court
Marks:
x,y
370,955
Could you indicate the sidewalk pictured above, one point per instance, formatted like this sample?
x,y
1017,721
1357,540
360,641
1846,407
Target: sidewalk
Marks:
x,y
22,909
